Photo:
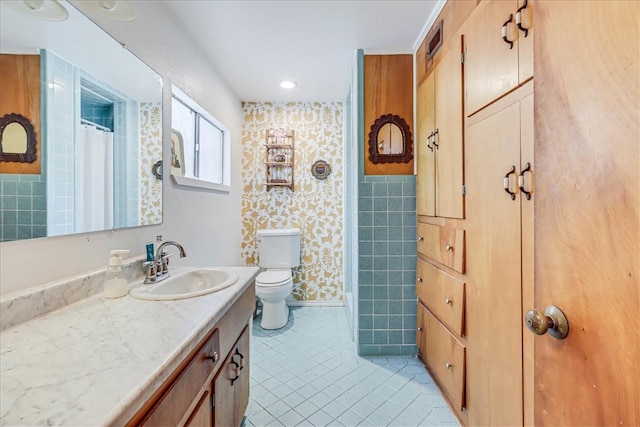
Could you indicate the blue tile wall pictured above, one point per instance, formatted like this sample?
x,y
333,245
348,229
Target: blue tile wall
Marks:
x,y
23,208
386,262
59,80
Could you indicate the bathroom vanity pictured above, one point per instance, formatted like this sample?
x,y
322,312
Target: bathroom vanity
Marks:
x,y
132,362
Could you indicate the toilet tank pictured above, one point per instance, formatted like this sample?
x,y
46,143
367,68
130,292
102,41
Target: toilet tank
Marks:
x,y
279,248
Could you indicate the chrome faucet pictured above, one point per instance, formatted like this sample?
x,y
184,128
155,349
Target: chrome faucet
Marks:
x,y
158,269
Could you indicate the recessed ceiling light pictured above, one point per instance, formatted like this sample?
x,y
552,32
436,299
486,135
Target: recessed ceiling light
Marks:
x,y
288,84
48,10
119,10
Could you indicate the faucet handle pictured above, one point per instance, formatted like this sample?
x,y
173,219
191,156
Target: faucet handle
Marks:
x,y
150,270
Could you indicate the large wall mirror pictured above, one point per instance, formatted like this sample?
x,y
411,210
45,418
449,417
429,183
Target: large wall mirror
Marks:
x,y
101,131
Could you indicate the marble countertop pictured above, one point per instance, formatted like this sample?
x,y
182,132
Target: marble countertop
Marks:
x,y
96,361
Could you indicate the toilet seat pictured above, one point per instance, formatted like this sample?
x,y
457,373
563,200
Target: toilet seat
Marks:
x,y
273,277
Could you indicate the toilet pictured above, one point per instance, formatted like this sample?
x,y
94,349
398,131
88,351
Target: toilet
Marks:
x,y
279,251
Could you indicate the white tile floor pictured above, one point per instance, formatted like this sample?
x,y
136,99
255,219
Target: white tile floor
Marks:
x,y
308,374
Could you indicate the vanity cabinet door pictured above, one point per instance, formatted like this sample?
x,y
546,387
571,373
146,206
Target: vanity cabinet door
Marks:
x,y
202,414
231,385
187,389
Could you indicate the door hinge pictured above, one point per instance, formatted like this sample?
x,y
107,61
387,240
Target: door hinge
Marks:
x,y
464,189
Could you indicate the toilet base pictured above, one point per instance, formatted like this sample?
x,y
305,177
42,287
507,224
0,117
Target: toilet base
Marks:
x,y
275,315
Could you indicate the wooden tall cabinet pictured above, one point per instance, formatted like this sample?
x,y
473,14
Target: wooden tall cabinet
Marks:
x,y
440,280
439,142
498,50
499,148
552,217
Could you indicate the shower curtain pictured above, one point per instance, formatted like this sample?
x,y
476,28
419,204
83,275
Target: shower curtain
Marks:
x,y
93,180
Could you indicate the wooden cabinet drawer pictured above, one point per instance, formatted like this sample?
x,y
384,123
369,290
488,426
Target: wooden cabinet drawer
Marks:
x,y
184,388
445,355
443,295
444,245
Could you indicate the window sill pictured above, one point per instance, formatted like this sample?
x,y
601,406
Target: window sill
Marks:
x,y
198,183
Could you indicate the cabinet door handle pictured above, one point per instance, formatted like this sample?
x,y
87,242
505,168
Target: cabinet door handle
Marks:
x,y
519,19
504,31
241,363
527,168
419,280
435,135
448,248
447,301
420,239
506,183
448,365
429,141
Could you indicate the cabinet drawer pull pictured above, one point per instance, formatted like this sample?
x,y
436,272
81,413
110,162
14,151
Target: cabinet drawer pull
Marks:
x,y
447,301
214,357
504,31
448,365
419,328
420,239
519,19
506,183
448,247
435,134
419,280
429,141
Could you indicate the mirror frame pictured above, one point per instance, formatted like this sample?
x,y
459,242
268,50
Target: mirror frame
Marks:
x,y
30,155
407,142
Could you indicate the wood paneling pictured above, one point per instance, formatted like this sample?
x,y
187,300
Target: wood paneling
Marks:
x,y
20,83
388,89
587,225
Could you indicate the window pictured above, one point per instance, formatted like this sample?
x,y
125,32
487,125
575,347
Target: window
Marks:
x,y
204,155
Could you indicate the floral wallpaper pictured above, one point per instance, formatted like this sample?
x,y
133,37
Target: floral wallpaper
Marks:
x,y
315,206
151,152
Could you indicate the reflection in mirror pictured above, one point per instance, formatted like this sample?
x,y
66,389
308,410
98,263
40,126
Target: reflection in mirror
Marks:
x,y
17,139
390,140
101,131
14,139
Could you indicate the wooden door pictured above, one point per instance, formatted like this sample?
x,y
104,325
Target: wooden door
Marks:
x,y
449,124
425,118
587,212
202,415
525,42
241,385
491,68
494,292
223,402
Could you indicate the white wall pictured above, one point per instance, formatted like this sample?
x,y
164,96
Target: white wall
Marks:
x,y
208,224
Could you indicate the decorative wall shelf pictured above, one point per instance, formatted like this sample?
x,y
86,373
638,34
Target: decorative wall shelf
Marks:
x,y
279,158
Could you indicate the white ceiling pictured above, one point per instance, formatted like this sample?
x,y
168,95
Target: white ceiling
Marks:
x,y
257,44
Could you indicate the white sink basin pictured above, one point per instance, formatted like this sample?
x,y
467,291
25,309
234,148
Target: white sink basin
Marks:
x,y
188,284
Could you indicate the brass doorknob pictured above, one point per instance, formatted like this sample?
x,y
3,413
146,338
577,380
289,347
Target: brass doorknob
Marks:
x,y
552,320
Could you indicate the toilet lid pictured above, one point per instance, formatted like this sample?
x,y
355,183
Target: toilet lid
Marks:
x,y
273,277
